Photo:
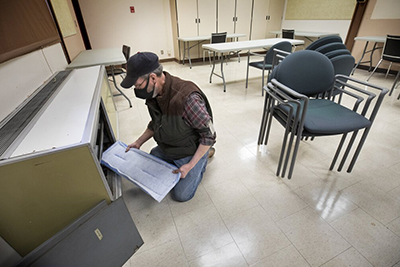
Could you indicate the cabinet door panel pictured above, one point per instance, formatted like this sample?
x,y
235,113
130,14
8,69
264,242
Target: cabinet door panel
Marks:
x,y
260,23
243,14
226,13
207,16
187,15
276,8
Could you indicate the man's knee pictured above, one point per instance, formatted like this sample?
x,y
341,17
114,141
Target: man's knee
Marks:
x,y
181,196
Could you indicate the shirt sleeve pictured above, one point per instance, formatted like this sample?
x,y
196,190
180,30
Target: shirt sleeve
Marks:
x,y
195,114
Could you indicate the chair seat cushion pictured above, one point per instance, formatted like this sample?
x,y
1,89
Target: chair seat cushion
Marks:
x,y
259,65
325,117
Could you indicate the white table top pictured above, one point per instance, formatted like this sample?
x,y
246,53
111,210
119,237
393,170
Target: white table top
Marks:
x,y
208,37
94,57
309,34
248,45
64,120
377,39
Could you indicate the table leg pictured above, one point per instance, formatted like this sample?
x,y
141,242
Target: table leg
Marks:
x,y
184,53
116,87
362,56
213,67
370,56
190,61
222,70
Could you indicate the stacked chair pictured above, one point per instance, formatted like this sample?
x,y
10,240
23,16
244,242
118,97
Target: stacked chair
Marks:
x,y
333,48
299,97
266,63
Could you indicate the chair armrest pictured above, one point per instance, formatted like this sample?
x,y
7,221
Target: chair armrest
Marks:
x,y
356,85
278,56
256,54
288,97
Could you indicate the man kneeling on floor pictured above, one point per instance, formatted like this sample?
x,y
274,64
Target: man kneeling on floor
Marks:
x,y
181,120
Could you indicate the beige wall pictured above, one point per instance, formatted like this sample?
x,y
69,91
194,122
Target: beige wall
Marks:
x,y
375,27
111,24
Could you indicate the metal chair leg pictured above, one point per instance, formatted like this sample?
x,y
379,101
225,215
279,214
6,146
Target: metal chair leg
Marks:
x,y
394,84
374,70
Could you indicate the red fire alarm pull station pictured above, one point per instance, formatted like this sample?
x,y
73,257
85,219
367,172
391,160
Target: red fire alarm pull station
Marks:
x,y
132,9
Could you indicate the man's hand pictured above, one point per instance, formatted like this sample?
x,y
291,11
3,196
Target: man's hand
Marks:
x,y
184,169
133,145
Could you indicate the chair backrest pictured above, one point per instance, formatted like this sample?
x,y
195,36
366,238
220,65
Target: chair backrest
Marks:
x,y
391,51
323,41
289,34
284,46
218,37
330,47
338,52
343,64
307,72
126,50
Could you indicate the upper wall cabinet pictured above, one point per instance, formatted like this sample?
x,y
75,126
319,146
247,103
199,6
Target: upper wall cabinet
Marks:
x,y
196,17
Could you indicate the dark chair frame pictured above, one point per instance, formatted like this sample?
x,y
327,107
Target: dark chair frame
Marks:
x,y
280,97
288,33
267,62
216,38
391,53
323,41
112,71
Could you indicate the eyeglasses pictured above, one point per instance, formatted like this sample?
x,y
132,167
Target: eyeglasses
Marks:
x,y
140,85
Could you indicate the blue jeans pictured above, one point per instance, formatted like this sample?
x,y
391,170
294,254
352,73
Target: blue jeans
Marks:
x,y
185,189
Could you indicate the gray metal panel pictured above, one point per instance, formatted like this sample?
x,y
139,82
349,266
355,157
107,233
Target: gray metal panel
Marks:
x,y
107,238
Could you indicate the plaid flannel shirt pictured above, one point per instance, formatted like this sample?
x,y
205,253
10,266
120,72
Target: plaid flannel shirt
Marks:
x,y
196,116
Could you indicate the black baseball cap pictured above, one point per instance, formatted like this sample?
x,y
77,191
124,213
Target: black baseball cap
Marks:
x,y
138,65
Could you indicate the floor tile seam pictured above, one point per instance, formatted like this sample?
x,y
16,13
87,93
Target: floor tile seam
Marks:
x,y
177,231
312,207
315,212
345,252
363,208
287,237
233,242
353,245
226,227
386,194
140,252
387,227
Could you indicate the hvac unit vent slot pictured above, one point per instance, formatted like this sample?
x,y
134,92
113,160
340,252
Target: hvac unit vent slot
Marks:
x,y
10,131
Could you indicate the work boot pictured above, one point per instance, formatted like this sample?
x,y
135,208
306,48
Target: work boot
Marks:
x,y
211,152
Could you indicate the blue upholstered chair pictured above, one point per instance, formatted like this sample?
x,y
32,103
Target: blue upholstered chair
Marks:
x,y
337,52
323,41
266,63
330,47
291,100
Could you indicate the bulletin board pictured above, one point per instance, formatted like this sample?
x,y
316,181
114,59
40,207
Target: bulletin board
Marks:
x,y
320,9
64,17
